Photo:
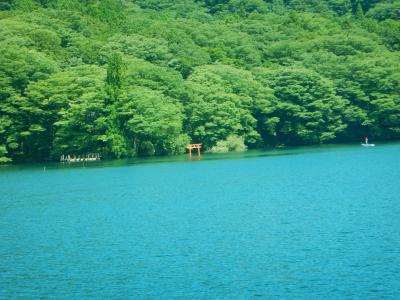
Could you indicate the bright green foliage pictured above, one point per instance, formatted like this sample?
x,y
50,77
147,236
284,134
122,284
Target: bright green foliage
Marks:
x,y
307,109
232,143
223,104
359,11
150,49
389,30
150,118
19,119
3,153
146,77
114,76
72,115
386,10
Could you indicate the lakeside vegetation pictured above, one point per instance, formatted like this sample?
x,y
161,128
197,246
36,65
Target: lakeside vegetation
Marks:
x,y
146,77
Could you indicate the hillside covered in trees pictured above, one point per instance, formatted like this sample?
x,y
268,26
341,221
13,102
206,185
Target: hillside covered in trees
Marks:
x,y
127,78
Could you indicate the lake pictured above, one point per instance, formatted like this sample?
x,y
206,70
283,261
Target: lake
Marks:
x,y
303,223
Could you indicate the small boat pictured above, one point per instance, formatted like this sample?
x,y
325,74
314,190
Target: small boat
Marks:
x,y
366,143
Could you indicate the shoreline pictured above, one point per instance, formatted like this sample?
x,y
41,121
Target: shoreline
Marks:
x,y
182,158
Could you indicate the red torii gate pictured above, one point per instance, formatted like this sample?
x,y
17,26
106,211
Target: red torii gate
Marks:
x,y
190,147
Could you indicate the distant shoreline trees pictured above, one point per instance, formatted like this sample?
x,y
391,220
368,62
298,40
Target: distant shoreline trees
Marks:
x,y
137,78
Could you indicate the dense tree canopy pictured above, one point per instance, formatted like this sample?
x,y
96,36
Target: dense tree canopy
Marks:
x,y
146,77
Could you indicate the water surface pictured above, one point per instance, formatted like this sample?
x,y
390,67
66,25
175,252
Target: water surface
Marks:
x,y
304,223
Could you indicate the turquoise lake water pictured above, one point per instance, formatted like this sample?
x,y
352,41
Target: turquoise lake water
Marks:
x,y
303,223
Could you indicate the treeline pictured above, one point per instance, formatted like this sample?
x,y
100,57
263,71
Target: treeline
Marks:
x,y
145,77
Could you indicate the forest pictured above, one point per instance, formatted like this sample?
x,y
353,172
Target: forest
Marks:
x,y
146,77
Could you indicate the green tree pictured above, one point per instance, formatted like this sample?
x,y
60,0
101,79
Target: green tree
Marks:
x,y
308,109
73,113
150,120
359,12
128,78
114,76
